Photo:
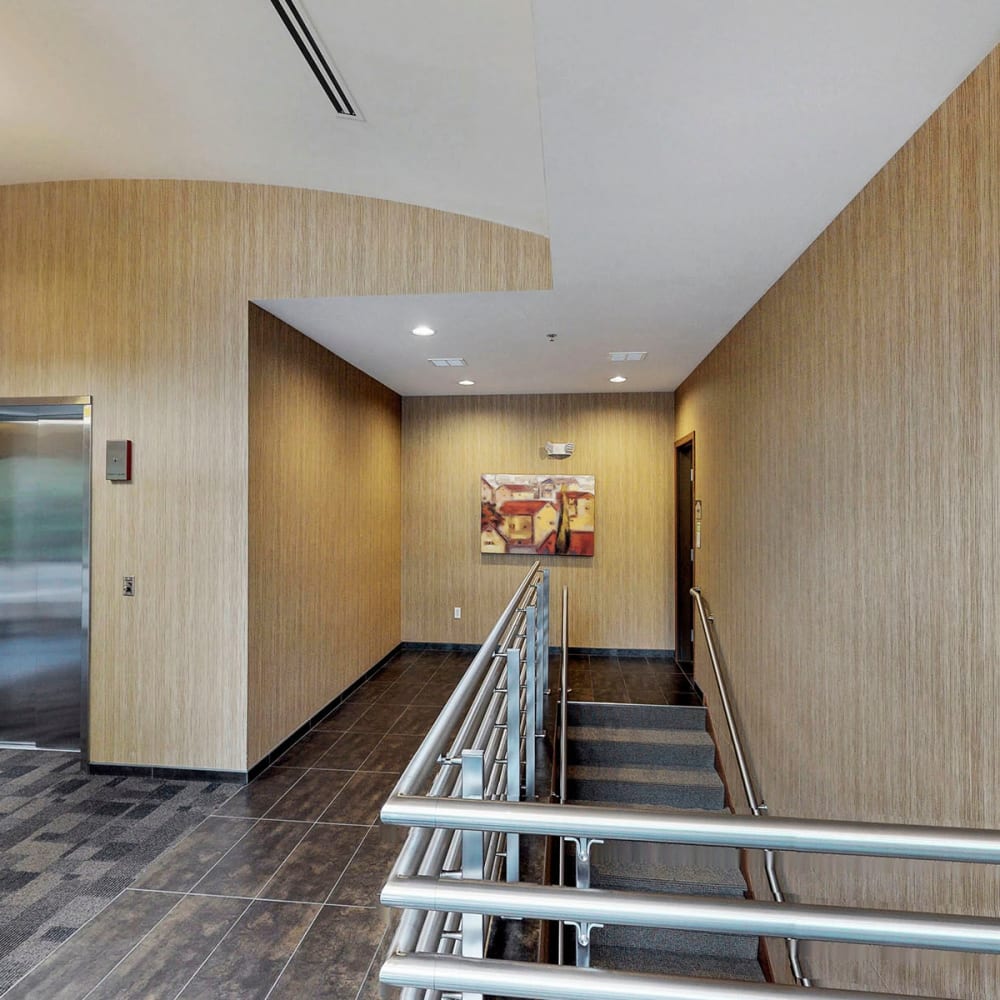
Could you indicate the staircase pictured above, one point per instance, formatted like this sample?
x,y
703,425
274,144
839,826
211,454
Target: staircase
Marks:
x,y
656,755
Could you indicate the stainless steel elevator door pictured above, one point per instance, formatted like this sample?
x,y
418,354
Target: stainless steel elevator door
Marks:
x,y
44,572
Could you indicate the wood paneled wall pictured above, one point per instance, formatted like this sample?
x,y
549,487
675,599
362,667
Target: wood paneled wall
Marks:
x,y
324,527
136,292
848,450
620,598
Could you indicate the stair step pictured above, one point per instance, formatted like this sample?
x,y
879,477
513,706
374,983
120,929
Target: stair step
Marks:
x,y
607,715
665,786
669,747
745,970
678,942
684,880
628,858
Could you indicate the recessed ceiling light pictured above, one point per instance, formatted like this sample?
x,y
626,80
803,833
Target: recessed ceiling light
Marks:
x,y
422,331
466,381
617,378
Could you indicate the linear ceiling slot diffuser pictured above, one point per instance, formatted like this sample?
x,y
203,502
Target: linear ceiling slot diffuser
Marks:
x,y
305,38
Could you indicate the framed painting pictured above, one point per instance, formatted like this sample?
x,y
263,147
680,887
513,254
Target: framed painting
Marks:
x,y
536,514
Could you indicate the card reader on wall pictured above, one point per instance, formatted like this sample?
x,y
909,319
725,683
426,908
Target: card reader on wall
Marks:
x,y
119,462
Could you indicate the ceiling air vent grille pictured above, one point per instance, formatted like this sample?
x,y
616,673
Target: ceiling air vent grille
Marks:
x,y
305,38
447,362
627,356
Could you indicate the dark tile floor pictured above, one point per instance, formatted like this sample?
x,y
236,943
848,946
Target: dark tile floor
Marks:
x,y
640,680
275,895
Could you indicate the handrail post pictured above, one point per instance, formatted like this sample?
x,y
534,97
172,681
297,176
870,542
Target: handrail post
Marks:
x,y
542,648
531,673
513,757
473,924
563,748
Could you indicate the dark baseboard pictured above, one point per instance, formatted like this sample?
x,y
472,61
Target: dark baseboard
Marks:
x,y
468,647
272,755
243,777
439,647
653,654
165,773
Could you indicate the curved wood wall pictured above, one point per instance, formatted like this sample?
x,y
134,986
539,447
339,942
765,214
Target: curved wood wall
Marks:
x,y
848,450
136,292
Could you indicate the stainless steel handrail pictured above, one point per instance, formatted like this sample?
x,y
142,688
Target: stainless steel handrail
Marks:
x,y
890,928
543,982
563,750
757,807
424,850
667,826
563,696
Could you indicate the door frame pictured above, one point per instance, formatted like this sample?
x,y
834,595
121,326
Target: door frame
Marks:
x,y
684,609
87,402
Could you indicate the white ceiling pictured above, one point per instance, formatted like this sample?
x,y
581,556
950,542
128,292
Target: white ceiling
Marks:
x,y
217,90
679,153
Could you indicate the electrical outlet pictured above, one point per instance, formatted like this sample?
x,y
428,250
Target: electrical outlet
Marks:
x,y
458,613
128,586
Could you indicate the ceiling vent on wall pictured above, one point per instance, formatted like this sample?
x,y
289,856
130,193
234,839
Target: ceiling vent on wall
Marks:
x,y
306,39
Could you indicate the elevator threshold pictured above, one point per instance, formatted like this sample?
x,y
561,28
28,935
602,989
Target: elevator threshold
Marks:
x,y
14,745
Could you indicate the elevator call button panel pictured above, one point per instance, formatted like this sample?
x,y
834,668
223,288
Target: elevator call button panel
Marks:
x,y
119,465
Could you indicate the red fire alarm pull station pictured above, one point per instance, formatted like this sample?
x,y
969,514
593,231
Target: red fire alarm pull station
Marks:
x,y
119,464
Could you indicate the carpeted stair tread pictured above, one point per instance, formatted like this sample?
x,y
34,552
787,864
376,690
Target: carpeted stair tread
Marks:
x,y
669,963
679,942
676,747
694,880
615,716
631,855
672,786
647,807
651,757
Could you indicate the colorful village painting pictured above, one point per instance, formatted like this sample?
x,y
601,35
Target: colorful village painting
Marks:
x,y
546,515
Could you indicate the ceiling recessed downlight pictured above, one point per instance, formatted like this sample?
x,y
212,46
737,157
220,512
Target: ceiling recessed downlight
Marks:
x,y
617,378
466,381
422,331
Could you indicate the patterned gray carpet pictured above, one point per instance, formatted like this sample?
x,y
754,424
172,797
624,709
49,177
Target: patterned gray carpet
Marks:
x,y
70,842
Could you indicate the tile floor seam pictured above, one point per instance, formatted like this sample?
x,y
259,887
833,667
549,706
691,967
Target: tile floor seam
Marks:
x,y
288,961
349,863
181,898
312,826
219,859
218,944
371,964
319,908
267,881
256,822
190,892
263,819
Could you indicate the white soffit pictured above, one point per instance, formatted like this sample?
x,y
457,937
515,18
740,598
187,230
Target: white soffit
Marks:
x,y
217,90
693,150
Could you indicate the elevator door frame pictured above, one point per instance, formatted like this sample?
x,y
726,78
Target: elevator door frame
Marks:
x,y
87,403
